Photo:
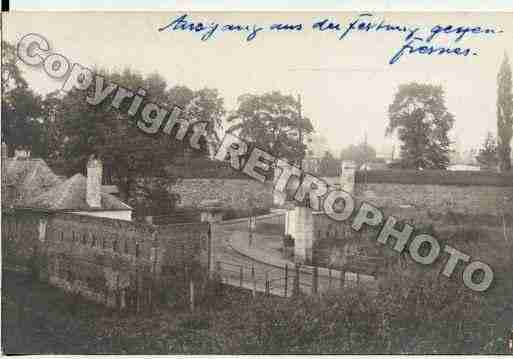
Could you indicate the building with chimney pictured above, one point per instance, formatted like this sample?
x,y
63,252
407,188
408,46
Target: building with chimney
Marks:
x,y
29,184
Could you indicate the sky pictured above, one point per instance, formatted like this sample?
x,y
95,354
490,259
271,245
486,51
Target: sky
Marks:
x,y
346,85
438,5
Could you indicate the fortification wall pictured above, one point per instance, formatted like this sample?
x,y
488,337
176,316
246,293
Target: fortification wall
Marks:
x,y
463,192
239,194
118,263
481,202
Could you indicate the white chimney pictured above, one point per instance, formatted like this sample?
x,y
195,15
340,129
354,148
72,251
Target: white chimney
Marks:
x,y
94,182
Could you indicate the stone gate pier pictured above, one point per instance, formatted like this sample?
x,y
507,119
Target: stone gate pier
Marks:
x,y
300,223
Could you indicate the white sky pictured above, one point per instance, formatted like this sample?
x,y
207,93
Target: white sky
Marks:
x,y
346,86
438,5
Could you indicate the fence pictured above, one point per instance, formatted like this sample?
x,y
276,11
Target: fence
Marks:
x,y
288,281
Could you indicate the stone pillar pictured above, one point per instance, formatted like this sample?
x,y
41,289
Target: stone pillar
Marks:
x,y
300,226
279,198
287,216
94,182
42,229
211,212
290,218
347,176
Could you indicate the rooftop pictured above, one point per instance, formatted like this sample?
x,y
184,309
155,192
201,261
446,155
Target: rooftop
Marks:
x,y
28,177
30,183
71,195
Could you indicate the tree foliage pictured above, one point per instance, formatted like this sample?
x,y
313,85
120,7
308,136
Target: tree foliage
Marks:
x,y
422,121
79,129
271,121
504,114
329,165
488,156
21,108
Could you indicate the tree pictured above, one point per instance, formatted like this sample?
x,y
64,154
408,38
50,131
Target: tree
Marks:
x,y
79,129
488,156
329,165
422,121
360,154
504,114
22,126
273,123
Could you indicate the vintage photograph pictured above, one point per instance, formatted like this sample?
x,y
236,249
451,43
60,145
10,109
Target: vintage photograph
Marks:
x,y
257,182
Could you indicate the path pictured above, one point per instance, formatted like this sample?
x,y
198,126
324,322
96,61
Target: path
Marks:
x,y
237,258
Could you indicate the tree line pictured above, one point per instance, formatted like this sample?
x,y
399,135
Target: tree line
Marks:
x,y
64,129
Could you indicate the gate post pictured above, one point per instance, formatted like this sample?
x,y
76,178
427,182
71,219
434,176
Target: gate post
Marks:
x,y
210,252
267,287
191,294
218,267
296,280
253,278
211,212
329,280
315,280
286,278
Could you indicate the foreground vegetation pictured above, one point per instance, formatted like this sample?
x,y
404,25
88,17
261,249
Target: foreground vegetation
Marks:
x,y
441,318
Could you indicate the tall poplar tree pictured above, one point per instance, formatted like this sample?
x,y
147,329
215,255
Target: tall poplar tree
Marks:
x,y
504,115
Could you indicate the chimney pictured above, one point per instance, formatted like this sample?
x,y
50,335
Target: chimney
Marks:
x,y
94,182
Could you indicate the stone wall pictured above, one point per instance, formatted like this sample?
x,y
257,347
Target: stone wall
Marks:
x,y
183,243
20,235
237,194
443,200
119,263
468,193
467,200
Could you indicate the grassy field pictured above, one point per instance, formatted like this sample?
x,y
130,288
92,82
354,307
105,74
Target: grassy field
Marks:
x,y
37,318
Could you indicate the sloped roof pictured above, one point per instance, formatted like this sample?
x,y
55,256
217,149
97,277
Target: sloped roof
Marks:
x,y
28,178
71,195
